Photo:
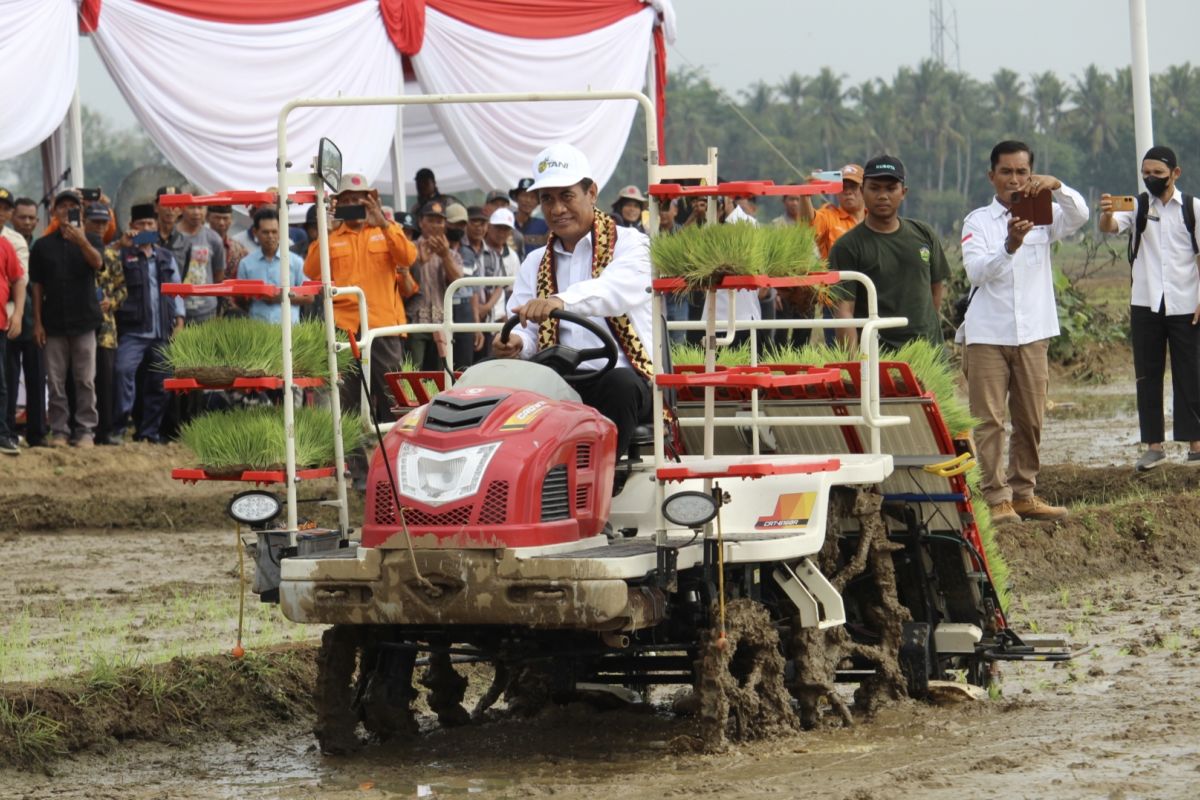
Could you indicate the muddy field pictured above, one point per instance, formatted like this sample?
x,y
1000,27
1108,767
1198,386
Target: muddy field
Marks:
x,y
114,580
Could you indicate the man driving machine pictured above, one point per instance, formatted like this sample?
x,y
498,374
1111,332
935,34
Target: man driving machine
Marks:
x,y
595,269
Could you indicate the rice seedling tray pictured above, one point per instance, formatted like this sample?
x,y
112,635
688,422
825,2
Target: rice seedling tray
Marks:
x,y
243,383
233,198
744,189
237,288
261,476
734,467
751,282
762,377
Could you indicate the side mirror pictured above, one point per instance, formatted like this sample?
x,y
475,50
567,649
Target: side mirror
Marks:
x,y
329,164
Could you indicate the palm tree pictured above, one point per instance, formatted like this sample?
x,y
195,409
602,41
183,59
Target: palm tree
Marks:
x,y
1176,89
1048,95
792,89
825,100
1008,101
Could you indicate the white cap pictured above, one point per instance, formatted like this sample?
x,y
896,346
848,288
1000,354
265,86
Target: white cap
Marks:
x,y
559,165
502,216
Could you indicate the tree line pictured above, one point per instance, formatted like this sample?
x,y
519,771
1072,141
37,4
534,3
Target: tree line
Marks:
x,y
940,122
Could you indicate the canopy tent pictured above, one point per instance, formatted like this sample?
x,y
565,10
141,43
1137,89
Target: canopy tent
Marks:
x,y
206,78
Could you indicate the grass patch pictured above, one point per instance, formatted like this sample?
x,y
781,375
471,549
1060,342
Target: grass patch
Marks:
x,y
28,736
254,437
704,255
251,347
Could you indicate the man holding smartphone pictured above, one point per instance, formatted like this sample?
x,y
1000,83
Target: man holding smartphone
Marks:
x,y
66,313
1011,318
1164,310
368,251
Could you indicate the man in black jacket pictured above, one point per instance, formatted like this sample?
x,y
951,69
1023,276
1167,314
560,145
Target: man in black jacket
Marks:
x,y
145,322
66,313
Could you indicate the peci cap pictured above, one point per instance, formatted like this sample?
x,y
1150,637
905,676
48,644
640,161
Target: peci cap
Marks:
x,y
1164,154
97,212
630,193
142,211
853,173
353,182
559,165
497,194
523,185
476,213
65,195
433,208
6,197
884,166
504,217
456,212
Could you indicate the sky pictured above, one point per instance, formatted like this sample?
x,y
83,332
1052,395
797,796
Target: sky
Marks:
x,y
739,42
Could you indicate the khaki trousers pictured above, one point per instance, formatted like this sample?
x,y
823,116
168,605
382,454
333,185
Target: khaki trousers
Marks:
x,y
999,375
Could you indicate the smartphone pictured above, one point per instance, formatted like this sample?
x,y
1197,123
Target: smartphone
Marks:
x,y
350,213
1123,202
1037,209
73,216
90,195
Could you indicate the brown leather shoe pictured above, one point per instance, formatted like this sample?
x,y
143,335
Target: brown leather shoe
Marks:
x,y
1003,512
1038,509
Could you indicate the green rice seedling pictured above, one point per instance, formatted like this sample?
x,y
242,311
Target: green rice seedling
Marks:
x,y
786,250
933,370
1001,574
704,255
253,437
250,347
308,351
35,738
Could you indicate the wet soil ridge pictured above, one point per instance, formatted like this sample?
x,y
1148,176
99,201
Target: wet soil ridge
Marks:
x,y
176,702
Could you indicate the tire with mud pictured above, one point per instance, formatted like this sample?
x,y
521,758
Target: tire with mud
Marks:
x,y
359,679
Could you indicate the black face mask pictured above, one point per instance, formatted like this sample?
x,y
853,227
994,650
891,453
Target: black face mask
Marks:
x,y
454,235
1155,185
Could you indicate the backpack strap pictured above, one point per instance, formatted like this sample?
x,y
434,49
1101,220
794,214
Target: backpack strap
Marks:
x,y
1189,220
1135,241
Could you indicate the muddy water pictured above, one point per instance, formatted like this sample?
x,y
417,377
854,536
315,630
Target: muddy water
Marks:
x,y
1121,721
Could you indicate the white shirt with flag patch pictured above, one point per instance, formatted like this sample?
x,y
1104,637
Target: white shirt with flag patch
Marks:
x,y
1014,302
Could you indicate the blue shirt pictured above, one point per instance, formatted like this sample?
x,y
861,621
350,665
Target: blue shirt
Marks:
x,y
257,267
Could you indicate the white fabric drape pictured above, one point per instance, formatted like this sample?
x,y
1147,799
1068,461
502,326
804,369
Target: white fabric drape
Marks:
x,y
209,93
495,144
39,42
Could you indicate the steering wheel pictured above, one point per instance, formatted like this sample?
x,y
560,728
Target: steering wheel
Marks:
x,y
566,360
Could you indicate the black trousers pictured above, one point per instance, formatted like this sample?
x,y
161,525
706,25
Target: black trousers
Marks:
x,y
624,397
25,357
1153,332
106,390
464,343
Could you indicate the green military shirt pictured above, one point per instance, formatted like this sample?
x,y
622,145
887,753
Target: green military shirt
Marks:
x,y
902,265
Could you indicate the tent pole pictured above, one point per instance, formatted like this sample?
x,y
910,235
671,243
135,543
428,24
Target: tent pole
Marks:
x,y
75,114
399,196
1143,121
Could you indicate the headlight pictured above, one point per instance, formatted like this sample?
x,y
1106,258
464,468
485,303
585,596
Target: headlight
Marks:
x,y
689,509
254,507
437,478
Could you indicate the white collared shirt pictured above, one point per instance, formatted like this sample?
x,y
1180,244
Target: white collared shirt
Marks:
x,y
622,288
1165,266
1014,304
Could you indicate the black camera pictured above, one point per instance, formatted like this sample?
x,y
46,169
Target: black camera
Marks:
x,y
90,195
73,216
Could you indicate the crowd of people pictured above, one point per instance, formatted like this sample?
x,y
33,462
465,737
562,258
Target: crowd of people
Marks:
x,y
86,319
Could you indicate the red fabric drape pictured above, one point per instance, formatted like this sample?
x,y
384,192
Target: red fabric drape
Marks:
x,y
405,19
538,19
